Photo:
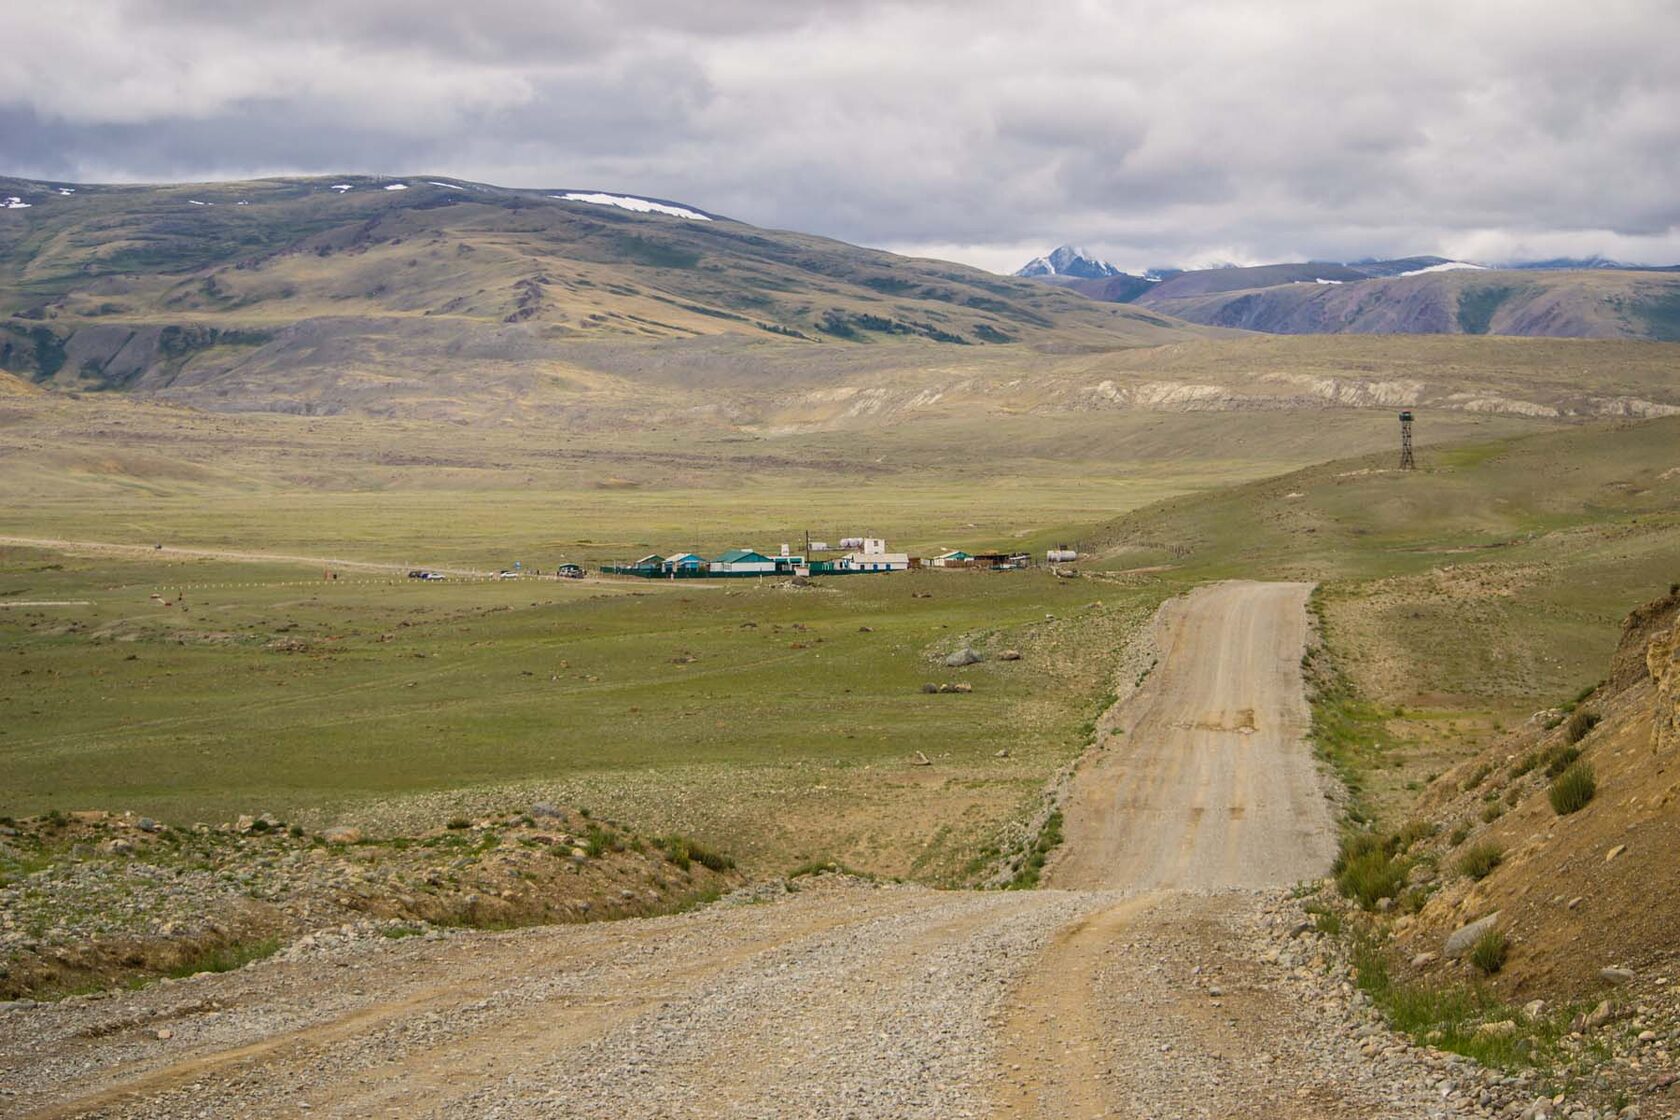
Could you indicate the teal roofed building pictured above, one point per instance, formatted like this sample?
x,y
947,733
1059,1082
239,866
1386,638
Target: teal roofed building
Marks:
x,y
743,562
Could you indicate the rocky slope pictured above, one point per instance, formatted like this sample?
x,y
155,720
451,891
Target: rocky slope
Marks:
x,y
1588,892
92,898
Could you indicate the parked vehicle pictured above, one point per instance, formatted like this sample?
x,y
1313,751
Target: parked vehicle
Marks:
x,y
569,571
419,573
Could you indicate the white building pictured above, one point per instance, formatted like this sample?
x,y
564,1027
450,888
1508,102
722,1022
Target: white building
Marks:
x,y
871,555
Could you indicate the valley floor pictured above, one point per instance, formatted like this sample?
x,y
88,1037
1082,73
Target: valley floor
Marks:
x,y
1182,992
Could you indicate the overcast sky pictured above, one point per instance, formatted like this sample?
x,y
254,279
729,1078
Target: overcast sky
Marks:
x,y
1162,133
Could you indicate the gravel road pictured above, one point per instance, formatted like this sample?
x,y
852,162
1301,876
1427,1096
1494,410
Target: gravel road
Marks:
x,y
1167,977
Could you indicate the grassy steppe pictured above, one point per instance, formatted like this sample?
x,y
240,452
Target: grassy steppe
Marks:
x,y
780,724
1458,598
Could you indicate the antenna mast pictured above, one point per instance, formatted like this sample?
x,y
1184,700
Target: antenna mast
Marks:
x,y
1407,463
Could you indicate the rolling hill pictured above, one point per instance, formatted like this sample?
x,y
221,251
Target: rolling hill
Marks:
x,y
1411,295
332,293
1284,299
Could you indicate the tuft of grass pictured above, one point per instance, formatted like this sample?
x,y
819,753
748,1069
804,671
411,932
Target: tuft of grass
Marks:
x,y
1033,866
458,823
1480,858
1571,790
1489,952
224,958
1581,724
1560,759
1368,869
683,852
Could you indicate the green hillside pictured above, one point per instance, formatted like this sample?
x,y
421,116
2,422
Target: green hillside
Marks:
x,y
155,287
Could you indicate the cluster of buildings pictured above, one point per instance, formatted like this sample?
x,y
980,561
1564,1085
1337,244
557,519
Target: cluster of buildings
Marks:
x,y
854,555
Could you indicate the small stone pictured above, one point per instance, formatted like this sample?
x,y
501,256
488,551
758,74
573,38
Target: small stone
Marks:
x,y
164,1034
1534,1009
1614,852
1424,960
1010,655
342,834
1501,1028
1616,975
965,656
544,809
1574,903
147,824
930,687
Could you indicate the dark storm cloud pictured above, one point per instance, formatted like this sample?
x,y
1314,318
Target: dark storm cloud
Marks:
x,y
982,130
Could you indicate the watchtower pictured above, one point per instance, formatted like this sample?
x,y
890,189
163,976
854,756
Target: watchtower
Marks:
x,y
1407,463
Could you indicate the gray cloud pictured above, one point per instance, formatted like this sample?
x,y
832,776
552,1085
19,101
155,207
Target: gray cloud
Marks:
x,y
983,130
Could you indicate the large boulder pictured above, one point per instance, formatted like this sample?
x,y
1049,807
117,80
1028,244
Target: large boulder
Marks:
x,y
964,656
1461,939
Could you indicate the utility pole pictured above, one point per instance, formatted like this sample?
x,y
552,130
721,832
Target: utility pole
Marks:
x,y
1407,463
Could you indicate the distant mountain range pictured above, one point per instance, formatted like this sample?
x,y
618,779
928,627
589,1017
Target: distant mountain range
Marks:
x,y
1584,298
412,294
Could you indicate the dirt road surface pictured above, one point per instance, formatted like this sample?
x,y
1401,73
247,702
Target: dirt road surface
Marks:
x,y
1207,782
1164,982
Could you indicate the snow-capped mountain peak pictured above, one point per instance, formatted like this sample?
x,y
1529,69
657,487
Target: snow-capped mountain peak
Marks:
x,y
1069,260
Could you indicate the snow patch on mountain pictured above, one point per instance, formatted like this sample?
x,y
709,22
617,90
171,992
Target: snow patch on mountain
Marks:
x,y
1069,260
13,202
628,202
1444,266
396,186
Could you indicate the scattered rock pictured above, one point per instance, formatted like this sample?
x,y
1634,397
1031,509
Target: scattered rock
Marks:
x,y
1616,975
147,824
1424,960
342,834
1010,655
1614,852
1534,1009
965,656
1501,1028
930,687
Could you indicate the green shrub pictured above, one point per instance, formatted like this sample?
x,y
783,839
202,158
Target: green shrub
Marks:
x,y
1479,859
1580,724
1571,790
1492,813
1459,835
458,823
1367,870
1489,952
1477,776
